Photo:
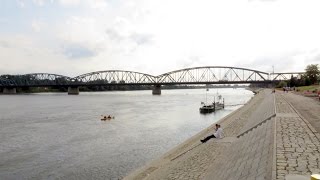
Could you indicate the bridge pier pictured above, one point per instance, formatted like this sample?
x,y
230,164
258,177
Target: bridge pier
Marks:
x,y
156,90
73,90
9,90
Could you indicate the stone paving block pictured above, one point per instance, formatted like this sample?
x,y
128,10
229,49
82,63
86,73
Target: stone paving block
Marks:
x,y
299,142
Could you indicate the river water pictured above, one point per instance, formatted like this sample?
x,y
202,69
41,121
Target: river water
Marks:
x,y
58,136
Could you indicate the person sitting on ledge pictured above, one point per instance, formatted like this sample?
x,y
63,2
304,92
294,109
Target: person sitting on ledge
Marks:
x,y
217,134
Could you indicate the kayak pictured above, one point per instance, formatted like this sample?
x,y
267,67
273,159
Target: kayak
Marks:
x,y
107,118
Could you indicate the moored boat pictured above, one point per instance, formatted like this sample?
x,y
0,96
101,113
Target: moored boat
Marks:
x,y
211,108
208,108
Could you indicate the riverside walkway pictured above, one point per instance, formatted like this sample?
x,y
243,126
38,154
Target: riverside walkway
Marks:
x,y
298,145
265,139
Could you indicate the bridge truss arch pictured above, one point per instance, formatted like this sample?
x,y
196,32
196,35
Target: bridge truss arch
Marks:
x,y
286,76
114,77
39,80
213,75
7,82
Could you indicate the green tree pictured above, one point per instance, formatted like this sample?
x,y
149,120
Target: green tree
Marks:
x,y
281,84
312,73
293,81
307,81
301,81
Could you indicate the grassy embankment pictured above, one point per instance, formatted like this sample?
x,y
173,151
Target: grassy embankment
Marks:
x,y
309,91
312,88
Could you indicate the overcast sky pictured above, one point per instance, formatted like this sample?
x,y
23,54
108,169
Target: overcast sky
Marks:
x,y
73,37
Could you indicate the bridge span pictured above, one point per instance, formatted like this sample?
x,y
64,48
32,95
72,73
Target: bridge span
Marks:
x,y
195,75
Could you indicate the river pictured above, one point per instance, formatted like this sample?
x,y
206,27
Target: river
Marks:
x,y
59,136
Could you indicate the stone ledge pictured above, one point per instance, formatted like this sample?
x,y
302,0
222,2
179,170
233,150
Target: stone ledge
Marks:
x,y
296,177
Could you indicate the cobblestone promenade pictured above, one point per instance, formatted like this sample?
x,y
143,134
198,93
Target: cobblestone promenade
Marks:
x,y
266,139
298,147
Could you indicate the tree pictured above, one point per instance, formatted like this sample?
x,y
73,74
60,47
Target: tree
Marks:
x,y
301,81
282,84
312,73
293,81
307,81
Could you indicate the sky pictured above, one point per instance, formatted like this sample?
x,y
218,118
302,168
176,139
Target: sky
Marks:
x,y
74,37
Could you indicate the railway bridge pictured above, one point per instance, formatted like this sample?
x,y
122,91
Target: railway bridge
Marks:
x,y
192,76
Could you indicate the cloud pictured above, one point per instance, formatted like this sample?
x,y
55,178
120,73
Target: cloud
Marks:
x,y
84,31
39,2
92,4
141,39
159,36
294,61
315,60
98,4
313,57
21,4
114,35
189,61
34,57
137,38
262,0
38,25
77,51
3,20
4,44
69,2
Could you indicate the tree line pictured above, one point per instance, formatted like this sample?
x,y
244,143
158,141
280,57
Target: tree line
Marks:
x,y
310,77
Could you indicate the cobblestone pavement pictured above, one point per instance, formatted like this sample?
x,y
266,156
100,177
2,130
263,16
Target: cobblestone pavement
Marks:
x,y
307,107
298,148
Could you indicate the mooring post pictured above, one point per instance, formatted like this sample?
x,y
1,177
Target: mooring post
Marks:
x,y
223,103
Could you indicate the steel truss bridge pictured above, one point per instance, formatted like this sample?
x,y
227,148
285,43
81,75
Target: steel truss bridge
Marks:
x,y
196,75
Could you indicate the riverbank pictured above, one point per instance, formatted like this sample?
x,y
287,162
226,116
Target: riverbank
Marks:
x,y
273,136
191,159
